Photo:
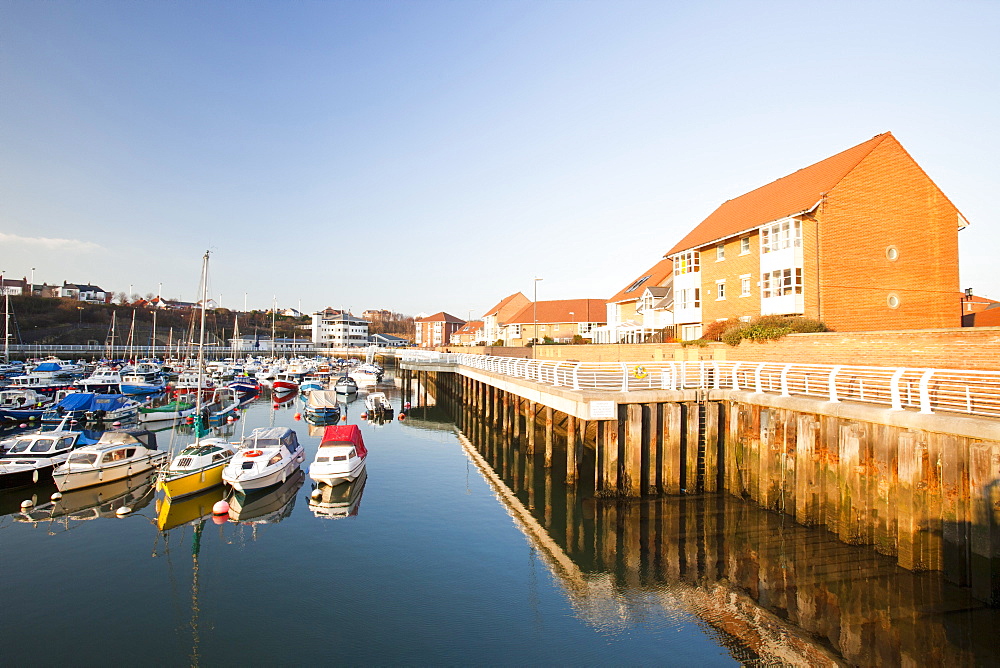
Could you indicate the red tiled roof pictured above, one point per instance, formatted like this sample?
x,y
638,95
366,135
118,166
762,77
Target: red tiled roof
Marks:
x,y
657,274
440,316
503,302
469,327
792,194
583,310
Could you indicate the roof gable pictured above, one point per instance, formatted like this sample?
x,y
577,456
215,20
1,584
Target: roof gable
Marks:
x,y
796,193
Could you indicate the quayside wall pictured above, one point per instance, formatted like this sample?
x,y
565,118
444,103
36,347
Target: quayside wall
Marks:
x,y
922,488
969,348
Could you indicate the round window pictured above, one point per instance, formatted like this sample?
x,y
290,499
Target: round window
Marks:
x,y
892,301
892,252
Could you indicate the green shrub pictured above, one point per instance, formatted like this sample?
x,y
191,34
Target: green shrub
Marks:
x,y
769,328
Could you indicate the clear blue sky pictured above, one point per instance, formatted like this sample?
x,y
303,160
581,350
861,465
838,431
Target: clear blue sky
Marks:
x,y
428,156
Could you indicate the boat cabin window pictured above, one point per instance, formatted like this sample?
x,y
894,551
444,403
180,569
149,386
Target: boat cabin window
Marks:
x,y
274,460
42,445
65,442
322,459
20,445
352,453
83,458
340,458
113,456
247,465
218,457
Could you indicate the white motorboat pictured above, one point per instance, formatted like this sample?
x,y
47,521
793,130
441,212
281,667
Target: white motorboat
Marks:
x,y
341,455
377,404
346,385
268,456
117,455
104,380
367,375
30,458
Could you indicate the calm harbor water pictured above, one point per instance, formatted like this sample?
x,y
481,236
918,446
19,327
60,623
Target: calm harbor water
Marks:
x,y
456,550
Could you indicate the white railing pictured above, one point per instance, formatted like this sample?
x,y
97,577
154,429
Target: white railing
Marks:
x,y
924,390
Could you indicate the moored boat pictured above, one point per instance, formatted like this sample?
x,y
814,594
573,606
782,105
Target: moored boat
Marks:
x,y
323,405
346,385
196,468
30,458
117,455
377,405
268,456
341,455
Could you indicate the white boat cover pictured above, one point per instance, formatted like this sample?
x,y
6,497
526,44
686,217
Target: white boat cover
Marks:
x,y
270,436
322,399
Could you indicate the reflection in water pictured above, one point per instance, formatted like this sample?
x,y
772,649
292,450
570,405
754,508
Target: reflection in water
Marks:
x,y
266,506
770,590
334,502
172,513
97,501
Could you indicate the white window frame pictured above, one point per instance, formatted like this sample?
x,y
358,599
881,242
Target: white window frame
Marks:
x,y
745,285
786,233
720,252
688,262
744,245
720,290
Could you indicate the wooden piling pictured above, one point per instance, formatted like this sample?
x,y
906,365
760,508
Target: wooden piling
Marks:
x,y
631,484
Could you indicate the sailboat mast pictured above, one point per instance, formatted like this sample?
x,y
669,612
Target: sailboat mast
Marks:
x,y
201,346
6,324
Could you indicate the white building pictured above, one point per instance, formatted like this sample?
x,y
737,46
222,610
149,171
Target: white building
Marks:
x,y
337,329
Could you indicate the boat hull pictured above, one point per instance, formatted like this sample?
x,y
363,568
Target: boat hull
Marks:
x,y
23,477
78,479
269,479
327,475
179,485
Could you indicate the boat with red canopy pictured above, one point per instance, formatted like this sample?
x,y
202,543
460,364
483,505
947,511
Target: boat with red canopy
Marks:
x,y
341,455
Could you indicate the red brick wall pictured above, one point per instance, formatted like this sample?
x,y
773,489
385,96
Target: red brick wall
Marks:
x,y
960,348
888,200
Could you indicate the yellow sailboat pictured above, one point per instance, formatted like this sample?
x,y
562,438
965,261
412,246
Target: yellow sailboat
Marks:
x,y
199,466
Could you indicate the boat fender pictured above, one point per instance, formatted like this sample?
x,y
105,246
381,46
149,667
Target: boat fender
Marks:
x,y
34,476
220,508
254,453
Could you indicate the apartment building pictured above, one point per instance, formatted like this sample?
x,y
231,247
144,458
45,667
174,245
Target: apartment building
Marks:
x,y
496,317
337,328
863,240
433,331
558,319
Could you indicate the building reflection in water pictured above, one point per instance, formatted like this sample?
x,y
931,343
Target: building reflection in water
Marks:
x,y
771,590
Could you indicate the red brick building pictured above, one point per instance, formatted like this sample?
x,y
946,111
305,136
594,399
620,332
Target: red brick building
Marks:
x,y
863,240
435,330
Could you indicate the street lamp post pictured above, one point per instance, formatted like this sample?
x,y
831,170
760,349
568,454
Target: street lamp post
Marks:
x,y
534,305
